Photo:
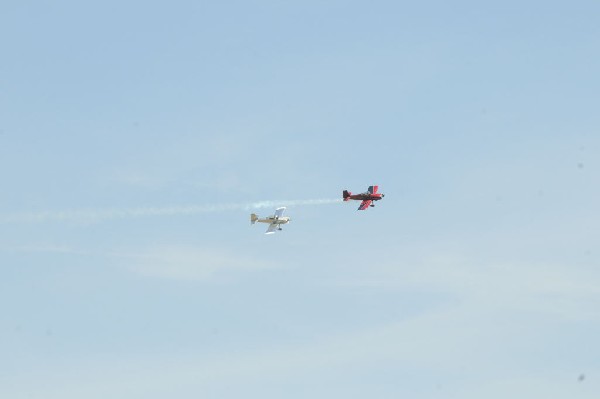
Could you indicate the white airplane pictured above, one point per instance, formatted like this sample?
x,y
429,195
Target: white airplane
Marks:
x,y
274,221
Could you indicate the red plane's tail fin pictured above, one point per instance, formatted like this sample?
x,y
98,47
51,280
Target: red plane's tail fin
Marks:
x,y
346,195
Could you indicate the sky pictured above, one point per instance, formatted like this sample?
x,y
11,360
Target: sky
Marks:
x,y
137,137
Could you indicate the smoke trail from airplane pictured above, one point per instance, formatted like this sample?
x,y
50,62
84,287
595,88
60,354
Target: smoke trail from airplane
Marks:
x,y
99,215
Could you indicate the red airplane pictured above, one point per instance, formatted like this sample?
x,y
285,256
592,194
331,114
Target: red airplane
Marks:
x,y
366,198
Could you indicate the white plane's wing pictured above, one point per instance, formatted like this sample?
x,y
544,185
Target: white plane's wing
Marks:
x,y
272,228
279,212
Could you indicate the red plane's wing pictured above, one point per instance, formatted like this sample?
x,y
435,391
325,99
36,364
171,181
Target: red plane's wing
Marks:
x,y
373,189
364,205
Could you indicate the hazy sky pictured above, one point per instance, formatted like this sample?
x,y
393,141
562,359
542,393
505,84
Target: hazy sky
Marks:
x,y
133,133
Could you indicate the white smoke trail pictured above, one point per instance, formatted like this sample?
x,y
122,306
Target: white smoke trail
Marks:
x,y
98,215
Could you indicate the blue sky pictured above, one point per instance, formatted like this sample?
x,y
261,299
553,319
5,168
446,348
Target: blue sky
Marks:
x,y
477,276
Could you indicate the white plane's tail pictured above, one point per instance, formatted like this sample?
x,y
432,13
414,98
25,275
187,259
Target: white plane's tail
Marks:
x,y
253,218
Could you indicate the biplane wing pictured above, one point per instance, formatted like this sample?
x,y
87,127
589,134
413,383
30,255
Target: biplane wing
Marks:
x,y
272,228
279,212
364,205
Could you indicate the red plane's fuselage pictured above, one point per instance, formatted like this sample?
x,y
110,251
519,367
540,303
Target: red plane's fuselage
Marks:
x,y
362,197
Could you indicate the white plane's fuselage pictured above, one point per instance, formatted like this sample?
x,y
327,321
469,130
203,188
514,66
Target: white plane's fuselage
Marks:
x,y
274,220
